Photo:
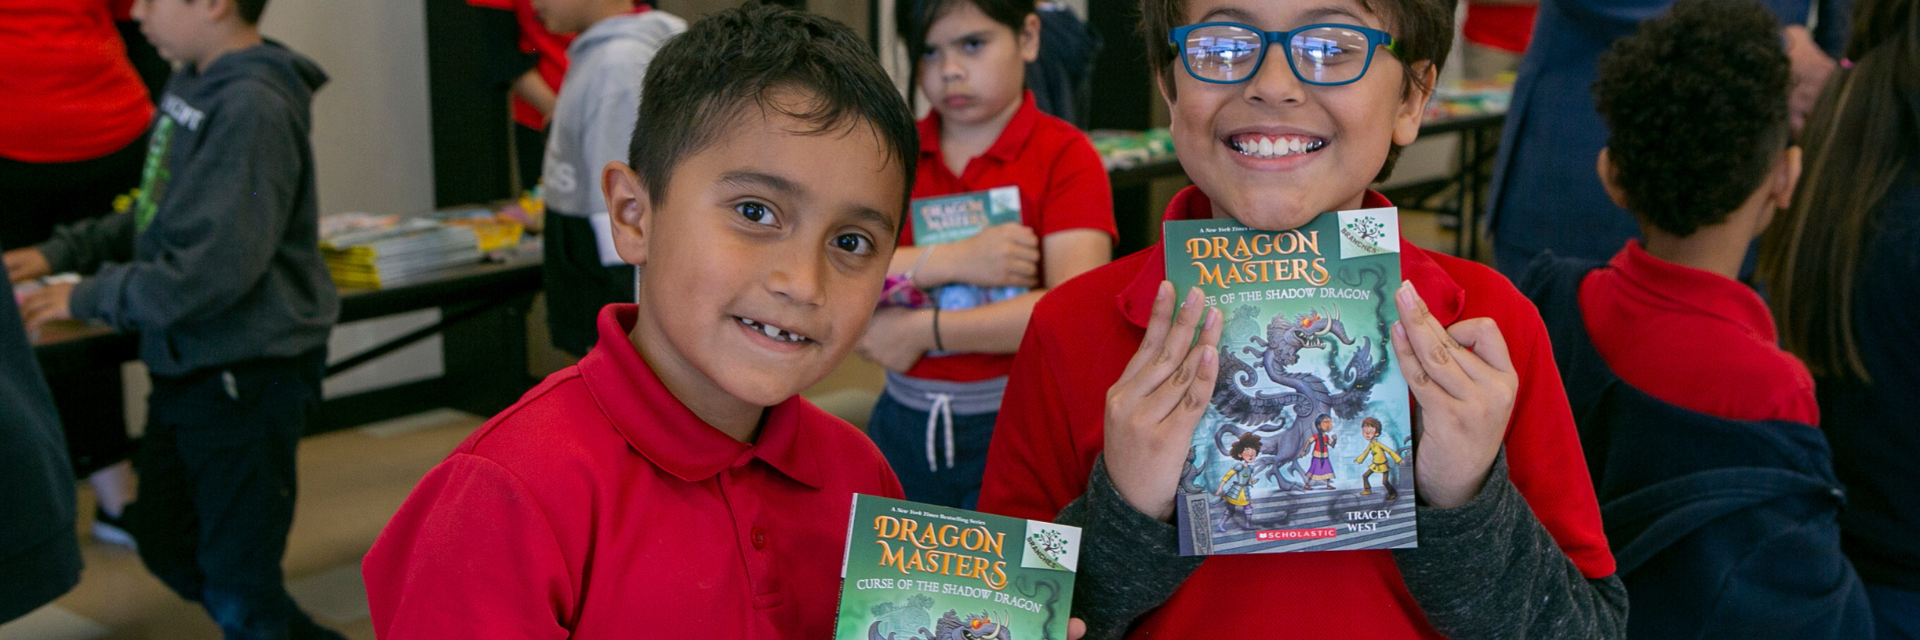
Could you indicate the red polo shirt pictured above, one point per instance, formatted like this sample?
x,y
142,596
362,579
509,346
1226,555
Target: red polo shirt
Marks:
x,y
1082,334
599,506
1694,339
548,48
1062,184
1508,27
71,93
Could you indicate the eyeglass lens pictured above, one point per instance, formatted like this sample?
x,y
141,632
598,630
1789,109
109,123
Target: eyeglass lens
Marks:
x,y
1322,55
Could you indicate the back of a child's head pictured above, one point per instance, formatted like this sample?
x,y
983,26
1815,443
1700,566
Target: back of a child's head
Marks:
x,y
732,61
1695,103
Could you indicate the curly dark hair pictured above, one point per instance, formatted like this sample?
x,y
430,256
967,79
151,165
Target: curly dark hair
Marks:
x,y
1422,31
1247,441
1696,107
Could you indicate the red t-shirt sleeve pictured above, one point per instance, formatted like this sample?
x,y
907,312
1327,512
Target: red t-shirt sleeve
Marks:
x,y
1079,196
1544,458
469,555
122,10
1033,469
492,4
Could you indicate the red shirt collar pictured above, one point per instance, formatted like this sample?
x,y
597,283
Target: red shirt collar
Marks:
x,y
1703,291
1444,296
1005,148
663,429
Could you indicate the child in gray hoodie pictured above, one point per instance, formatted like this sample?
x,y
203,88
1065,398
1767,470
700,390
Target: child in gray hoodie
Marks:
x,y
217,266
592,123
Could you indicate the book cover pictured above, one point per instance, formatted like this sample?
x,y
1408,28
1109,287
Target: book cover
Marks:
x,y
1308,444
957,217
915,571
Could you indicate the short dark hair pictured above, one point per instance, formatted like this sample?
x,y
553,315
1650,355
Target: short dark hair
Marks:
x,y
914,18
1422,31
1695,103
250,10
704,80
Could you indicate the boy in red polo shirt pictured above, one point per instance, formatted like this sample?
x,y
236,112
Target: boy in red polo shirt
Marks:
x,y
1094,429
672,485
1723,503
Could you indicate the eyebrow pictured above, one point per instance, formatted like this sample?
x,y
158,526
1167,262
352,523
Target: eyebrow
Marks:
x,y
886,222
779,184
982,34
1236,14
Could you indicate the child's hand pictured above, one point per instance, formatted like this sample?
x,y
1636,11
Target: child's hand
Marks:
x,y
1154,406
47,304
1465,397
1004,255
26,264
897,337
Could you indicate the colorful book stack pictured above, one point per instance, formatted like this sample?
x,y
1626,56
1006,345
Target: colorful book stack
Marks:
x,y
371,252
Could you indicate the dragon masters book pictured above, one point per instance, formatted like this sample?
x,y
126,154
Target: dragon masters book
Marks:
x,y
914,571
945,219
1308,443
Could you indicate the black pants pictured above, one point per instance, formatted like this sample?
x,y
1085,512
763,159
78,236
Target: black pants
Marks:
x,y
577,285
217,489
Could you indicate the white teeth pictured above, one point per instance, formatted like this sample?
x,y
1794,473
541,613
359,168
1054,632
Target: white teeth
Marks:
x,y
771,331
1264,147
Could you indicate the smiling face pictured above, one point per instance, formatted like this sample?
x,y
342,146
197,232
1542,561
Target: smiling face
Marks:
x,y
763,260
1273,152
975,68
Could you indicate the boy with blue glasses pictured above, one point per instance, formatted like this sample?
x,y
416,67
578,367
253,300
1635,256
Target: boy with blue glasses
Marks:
x,y
1095,435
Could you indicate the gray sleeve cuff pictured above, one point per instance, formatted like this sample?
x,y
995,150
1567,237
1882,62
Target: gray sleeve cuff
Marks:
x,y
59,255
1130,563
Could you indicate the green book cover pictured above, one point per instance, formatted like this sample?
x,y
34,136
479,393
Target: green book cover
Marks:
x,y
915,571
1308,444
945,219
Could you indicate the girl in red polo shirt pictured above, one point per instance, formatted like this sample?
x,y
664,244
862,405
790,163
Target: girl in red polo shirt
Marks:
x,y
948,367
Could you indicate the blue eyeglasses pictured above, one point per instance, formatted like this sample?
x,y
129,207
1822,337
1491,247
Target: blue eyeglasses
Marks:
x,y
1320,54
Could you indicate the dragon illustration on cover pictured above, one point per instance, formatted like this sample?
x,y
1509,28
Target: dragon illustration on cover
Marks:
x,y
1282,417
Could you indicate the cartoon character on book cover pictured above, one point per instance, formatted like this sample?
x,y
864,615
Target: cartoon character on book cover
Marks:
x,y
1307,379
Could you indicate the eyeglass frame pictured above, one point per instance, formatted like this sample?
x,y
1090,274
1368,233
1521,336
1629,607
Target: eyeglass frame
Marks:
x,y
1375,39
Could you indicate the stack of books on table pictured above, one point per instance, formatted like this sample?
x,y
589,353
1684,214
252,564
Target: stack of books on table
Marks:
x,y
374,251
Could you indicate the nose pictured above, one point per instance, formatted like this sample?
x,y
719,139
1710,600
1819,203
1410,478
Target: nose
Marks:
x,y
950,69
1275,84
796,275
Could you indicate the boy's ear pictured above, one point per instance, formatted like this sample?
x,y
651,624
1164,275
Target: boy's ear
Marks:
x,y
218,10
1030,38
1413,106
629,210
1610,179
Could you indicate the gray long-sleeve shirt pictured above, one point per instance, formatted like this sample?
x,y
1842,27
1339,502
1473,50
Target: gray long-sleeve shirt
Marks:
x,y
219,260
1485,569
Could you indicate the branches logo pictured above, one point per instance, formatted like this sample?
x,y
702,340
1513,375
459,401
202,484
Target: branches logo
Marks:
x,y
1369,232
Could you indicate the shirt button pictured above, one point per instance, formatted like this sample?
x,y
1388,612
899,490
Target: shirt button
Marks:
x,y
759,538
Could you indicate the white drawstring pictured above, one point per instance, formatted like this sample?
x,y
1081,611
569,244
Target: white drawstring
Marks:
x,y
942,407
